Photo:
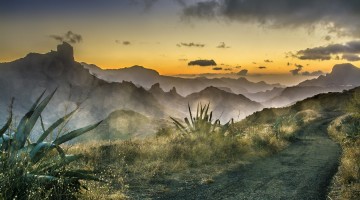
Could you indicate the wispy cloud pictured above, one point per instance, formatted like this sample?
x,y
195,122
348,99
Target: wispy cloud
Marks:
x,y
298,71
190,44
222,45
243,72
69,37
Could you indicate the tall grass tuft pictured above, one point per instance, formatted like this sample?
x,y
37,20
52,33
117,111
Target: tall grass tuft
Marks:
x,y
39,170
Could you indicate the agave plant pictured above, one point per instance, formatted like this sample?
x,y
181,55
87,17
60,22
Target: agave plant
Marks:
x,y
202,122
27,166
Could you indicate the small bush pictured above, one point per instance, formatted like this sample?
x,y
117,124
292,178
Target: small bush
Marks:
x,y
38,170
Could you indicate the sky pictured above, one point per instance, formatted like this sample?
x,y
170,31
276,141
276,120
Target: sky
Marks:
x,y
295,40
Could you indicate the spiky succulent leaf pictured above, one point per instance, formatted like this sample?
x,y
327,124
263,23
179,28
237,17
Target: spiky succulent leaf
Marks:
x,y
8,122
55,125
75,133
29,121
40,150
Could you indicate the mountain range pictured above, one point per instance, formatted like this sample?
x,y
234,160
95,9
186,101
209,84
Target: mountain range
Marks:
x,y
26,78
147,77
140,93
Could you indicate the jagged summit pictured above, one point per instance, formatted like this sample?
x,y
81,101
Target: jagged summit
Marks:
x,y
173,91
65,51
156,88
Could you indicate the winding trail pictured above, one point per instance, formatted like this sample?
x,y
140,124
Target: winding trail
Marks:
x,y
302,171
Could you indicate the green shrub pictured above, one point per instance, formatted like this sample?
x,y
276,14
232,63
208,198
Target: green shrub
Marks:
x,y
38,170
202,122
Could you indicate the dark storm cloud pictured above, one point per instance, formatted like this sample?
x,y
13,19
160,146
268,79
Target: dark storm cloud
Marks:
x,y
190,44
69,37
262,67
243,72
299,68
222,45
337,16
350,57
202,63
217,68
268,61
205,9
349,49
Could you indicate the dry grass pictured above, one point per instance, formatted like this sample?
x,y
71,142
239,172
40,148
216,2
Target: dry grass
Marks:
x,y
346,182
141,168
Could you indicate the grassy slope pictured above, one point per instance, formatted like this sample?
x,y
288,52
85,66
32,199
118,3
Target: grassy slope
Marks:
x,y
141,168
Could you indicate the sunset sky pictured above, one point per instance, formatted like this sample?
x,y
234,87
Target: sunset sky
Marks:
x,y
261,36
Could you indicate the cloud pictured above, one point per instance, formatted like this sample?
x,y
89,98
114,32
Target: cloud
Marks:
x,y
243,72
327,38
228,69
222,45
349,49
205,9
336,16
350,57
190,44
203,63
217,68
125,43
69,37
262,67
238,67
296,70
314,73
183,59
299,68
268,61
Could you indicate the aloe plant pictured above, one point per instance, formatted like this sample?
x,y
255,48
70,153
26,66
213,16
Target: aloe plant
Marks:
x,y
24,164
202,122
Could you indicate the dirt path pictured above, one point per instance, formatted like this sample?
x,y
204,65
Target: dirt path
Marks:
x,y
302,171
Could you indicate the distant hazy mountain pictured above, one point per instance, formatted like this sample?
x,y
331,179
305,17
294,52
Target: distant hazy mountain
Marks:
x,y
224,104
264,96
345,74
342,76
185,86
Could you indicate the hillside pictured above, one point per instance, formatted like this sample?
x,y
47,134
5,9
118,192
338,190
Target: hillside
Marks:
x,y
124,125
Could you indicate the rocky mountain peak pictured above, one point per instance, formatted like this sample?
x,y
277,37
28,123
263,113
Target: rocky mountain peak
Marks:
x,y
65,51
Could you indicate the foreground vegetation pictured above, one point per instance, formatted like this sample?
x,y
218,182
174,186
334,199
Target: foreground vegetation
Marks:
x,y
38,170
191,152
346,131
